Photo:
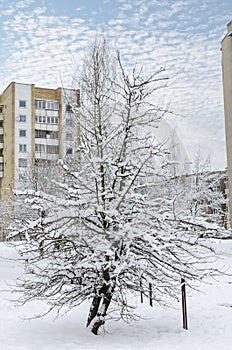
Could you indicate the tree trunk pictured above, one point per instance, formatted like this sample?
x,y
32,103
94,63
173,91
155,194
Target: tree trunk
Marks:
x,y
96,326
100,305
100,321
93,309
101,302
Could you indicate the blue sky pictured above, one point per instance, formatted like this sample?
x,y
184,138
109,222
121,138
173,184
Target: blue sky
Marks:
x,y
44,41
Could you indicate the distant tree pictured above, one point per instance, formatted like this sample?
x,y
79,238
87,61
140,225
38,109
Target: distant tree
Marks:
x,y
207,199
199,197
108,231
5,210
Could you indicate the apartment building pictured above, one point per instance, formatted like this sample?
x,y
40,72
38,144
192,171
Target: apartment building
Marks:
x,y
226,47
36,125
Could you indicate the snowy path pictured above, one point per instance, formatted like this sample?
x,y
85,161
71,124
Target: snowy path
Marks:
x,y
210,320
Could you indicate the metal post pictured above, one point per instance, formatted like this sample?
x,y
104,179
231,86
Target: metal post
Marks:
x,y
141,292
184,304
150,294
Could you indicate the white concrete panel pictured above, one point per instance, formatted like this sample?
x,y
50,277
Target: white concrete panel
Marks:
x,y
23,93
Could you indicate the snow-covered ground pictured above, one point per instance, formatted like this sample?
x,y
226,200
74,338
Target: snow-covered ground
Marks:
x,y
209,316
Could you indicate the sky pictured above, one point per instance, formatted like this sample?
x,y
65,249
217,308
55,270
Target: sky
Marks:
x,y
44,42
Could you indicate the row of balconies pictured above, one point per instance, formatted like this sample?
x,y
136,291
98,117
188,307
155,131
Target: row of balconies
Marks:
x,y
1,131
48,141
1,141
1,166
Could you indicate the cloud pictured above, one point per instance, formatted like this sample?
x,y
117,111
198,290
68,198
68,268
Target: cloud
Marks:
x,y
39,46
23,4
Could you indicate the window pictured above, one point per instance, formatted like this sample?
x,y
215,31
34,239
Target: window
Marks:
x,y
43,134
53,135
52,149
22,178
69,122
22,118
69,136
22,148
52,120
68,108
44,119
43,104
22,103
39,148
22,133
22,163
40,104
52,105
40,134
69,150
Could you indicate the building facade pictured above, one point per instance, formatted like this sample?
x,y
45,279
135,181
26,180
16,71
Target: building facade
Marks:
x,y
226,47
36,126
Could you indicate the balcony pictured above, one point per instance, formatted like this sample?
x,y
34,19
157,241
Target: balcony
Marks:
x,y
46,156
1,167
48,127
47,141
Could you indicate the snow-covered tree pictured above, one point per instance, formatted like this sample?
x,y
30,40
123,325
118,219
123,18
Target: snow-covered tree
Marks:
x,y
199,197
208,197
5,218
109,232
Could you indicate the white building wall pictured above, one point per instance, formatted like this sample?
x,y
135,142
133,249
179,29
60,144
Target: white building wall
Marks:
x,y
227,89
69,97
22,93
